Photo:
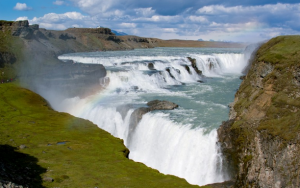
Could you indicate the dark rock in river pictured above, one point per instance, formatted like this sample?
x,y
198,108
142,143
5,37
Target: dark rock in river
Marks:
x,y
137,115
169,71
194,65
187,68
161,105
151,66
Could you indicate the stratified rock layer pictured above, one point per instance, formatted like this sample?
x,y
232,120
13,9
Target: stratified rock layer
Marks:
x,y
261,139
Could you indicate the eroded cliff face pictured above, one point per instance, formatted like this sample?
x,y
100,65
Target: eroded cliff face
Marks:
x,y
261,139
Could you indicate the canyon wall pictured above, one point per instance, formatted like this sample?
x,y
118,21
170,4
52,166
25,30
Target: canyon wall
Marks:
x,y
261,139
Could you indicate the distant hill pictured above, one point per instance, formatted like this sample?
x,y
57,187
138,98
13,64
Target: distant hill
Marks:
x,y
119,33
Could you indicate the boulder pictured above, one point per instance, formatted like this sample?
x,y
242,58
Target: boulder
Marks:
x,y
137,115
161,105
151,66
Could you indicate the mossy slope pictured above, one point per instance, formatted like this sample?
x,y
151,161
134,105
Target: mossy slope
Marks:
x,y
265,129
75,152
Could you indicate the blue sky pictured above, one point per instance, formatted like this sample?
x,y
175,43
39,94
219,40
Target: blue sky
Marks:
x,y
233,20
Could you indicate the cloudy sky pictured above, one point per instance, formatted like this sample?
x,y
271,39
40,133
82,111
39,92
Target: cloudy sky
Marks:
x,y
231,20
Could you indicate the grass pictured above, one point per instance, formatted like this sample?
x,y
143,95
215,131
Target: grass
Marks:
x,y
90,157
283,112
282,50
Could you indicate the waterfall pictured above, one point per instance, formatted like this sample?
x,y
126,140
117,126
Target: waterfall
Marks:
x,y
181,142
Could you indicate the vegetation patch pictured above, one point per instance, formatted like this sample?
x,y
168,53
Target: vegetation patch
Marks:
x,y
281,50
88,157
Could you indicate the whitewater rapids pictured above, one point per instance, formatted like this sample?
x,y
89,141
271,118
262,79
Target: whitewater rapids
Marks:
x,y
181,142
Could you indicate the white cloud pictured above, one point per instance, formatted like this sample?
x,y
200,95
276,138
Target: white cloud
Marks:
x,y
58,2
159,19
62,21
170,30
217,22
22,6
129,25
200,19
22,18
94,7
145,12
266,9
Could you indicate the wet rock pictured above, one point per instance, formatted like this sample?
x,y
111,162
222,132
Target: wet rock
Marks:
x,y
187,68
169,71
151,66
194,65
137,115
161,105
211,64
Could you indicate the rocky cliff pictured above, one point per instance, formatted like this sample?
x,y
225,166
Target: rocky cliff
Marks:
x,y
261,139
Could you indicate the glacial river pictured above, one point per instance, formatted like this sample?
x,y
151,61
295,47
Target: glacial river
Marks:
x,y
183,141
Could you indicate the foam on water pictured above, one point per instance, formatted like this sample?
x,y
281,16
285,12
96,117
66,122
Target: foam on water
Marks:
x,y
181,142
170,151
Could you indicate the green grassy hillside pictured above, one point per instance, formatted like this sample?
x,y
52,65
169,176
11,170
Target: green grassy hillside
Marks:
x,y
72,151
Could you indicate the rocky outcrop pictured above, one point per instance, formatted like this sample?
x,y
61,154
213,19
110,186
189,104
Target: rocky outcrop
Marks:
x,y
194,65
114,39
105,31
66,36
23,29
151,66
261,140
161,105
137,115
138,39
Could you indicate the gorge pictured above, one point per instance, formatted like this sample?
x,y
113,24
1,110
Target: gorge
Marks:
x,y
259,142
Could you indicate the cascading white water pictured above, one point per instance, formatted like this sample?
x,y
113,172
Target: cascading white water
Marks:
x,y
181,142
165,145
